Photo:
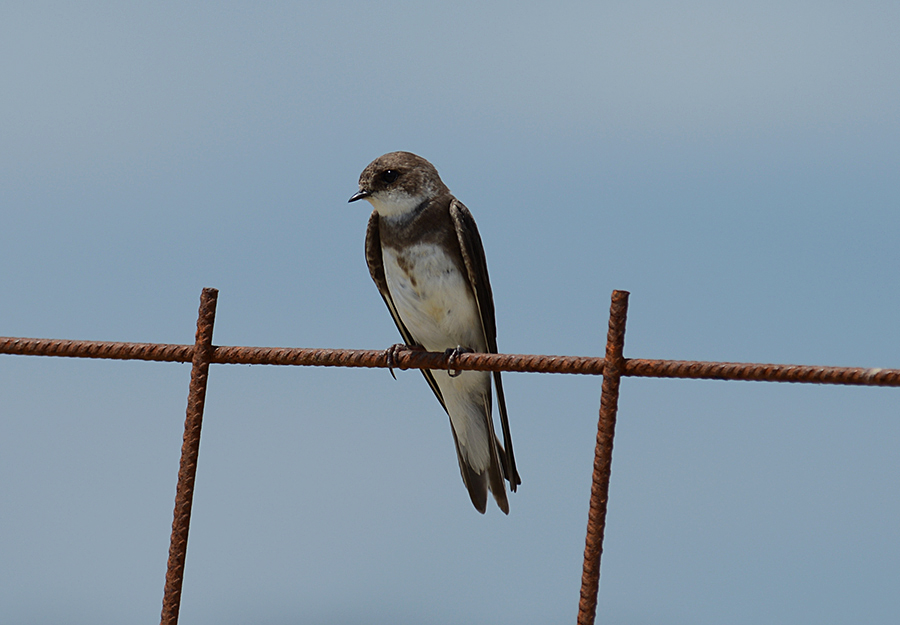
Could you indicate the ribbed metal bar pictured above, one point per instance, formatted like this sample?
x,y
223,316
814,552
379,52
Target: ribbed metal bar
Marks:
x,y
190,449
612,367
159,352
606,429
856,376
408,359
414,359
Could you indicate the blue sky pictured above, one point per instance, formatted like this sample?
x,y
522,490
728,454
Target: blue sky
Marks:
x,y
735,168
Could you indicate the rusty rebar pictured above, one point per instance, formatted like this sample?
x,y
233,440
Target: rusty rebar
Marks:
x,y
190,449
606,429
412,359
613,367
159,352
300,356
408,359
857,376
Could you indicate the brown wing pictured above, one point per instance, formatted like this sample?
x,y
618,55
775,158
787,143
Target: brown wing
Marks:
x,y
375,261
476,266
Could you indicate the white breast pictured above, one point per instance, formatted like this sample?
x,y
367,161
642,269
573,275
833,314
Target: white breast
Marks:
x,y
433,298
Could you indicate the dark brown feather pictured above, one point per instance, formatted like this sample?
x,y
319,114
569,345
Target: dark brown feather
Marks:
x,y
476,265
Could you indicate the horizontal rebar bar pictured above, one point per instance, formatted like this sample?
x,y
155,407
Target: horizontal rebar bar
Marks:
x,y
409,359
761,372
414,359
159,352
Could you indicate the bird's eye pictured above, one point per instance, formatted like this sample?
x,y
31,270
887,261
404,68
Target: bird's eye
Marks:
x,y
390,175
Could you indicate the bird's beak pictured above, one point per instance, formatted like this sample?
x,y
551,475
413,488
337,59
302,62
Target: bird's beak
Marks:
x,y
360,196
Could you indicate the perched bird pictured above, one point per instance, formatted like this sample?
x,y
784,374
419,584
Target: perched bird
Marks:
x,y
425,256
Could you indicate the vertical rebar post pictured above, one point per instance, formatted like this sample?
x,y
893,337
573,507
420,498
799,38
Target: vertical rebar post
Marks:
x,y
606,427
190,448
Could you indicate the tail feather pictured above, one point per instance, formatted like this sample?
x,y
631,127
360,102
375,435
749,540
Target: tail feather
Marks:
x,y
515,480
473,480
478,483
495,475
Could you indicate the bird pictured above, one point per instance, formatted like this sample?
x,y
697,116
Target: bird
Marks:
x,y
426,257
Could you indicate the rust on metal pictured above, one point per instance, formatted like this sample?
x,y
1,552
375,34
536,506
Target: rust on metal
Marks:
x,y
606,428
613,367
416,359
190,448
159,352
761,372
298,356
408,359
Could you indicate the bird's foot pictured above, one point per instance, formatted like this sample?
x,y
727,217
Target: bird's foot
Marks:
x,y
452,354
393,351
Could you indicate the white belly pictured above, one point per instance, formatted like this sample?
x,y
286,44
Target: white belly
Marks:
x,y
433,298
438,308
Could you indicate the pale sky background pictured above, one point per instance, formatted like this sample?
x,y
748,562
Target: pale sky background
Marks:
x,y
737,168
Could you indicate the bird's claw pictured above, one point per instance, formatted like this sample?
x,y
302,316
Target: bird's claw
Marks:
x,y
393,351
452,354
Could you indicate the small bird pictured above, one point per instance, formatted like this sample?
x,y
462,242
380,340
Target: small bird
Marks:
x,y
425,256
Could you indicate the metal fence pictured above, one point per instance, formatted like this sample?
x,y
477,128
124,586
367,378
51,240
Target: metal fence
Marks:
x,y
612,367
